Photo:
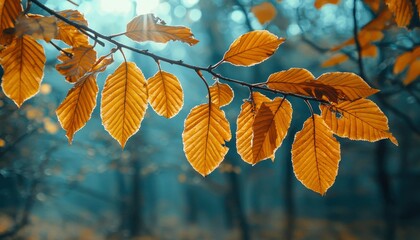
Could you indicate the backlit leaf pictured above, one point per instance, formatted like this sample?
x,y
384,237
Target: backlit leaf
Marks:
x,y
252,48
264,12
319,3
270,127
124,102
23,62
358,120
413,72
165,94
82,60
402,10
149,28
36,26
221,94
206,130
315,155
76,109
335,60
69,34
9,11
244,126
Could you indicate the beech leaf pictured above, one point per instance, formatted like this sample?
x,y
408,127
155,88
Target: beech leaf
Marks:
x,y
37,26
402,10
221,94
315,155
82,60
264,12
9,11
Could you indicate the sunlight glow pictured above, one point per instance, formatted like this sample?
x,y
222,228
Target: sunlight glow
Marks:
x,y
126,6
147,6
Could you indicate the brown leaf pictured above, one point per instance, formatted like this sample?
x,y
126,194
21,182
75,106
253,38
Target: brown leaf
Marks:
x,y
80,63
124,102
221,94
23,62
69,34
76,109
357,120
206,130
252,48
264,12
37,26
149,28
270,127
315,155
165,94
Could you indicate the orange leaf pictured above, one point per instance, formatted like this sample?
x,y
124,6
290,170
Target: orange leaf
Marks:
x,y
373,4
413,72
221,94
165,94
369,50
264,12
9,11
150,28
76,109
315,155
37,26
270,127
23,62
358,120
402,10
69,34
335,60
124,102
206,130
252,48
319,3
402,62
80,63
244,126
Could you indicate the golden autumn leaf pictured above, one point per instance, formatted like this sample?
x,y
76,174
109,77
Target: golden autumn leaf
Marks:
x,y
252,48
124,102
402,10
402,62
206,130
413,72
74,16
73,68
270,127
69,34
244,126
150,28
316,155
37,26
319,3
357,120
165,94
335,60
264,12
76,109
23,62
221,94
9,11
411,60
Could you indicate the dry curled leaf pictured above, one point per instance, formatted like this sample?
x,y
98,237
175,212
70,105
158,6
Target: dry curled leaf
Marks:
x,y
252,48
74,67
206,130
23,62
165,94
149,28
37,26
315,155
124,102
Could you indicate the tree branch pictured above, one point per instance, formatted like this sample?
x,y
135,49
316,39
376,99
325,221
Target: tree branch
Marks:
x,y
357,42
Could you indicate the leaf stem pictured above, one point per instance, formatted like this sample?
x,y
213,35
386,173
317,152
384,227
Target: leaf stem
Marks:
x,y
200,74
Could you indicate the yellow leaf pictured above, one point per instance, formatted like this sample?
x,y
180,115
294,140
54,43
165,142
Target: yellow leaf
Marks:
x,y
165,94
413,72
73,68
36,26
252,48
357,120
319,3
76,109
23,62
124,102
221,94
402,10
9,11
244,126
315,155
150,28
264,12
335,60
206,130
69,34
349,85
270,127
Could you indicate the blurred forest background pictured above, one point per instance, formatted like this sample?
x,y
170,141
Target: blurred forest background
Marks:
x,y
94,190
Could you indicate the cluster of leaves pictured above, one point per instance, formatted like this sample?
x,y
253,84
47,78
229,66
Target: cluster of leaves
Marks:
x,y
262,125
